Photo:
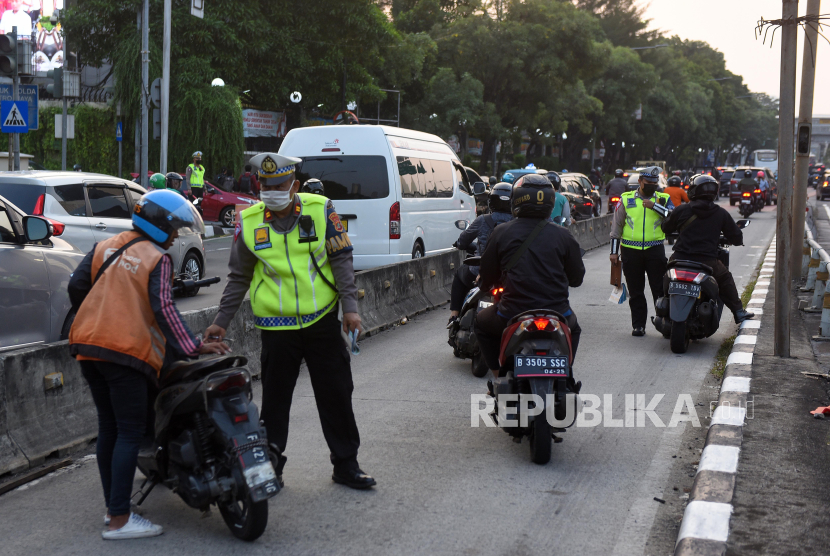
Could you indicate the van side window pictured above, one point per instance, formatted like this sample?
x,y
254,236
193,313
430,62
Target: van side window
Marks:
x,y
442,174
410,185
425,178
461,177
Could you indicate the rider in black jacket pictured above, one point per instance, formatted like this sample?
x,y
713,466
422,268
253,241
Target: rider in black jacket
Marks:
x,y
617,186
541,277
700,224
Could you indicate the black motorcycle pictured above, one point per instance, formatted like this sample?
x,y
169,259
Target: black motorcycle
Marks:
x,y
210,447
462,335
751,201
536,358
691,307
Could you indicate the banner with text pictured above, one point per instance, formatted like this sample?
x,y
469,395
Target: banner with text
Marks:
x,y
260,123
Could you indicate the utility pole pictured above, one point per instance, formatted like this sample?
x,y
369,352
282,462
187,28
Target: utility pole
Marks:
x,y
121,142
786,125
805,115
15,137
165,85
145,89
65,108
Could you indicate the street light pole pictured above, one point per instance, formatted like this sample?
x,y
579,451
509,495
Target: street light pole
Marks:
x,y
145,87
786,124
165,86
805,115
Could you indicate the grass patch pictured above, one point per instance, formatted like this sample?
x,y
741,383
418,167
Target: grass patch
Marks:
x,y
748,292
720,359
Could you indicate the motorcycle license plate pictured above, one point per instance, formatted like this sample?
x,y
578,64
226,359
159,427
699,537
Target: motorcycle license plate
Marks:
x,y
484,304
745,201
684,288
540,365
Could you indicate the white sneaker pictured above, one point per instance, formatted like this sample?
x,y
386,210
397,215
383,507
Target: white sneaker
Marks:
x,y
136,528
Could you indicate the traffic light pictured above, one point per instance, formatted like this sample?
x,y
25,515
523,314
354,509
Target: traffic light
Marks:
x,y
8,54
56,89
803,143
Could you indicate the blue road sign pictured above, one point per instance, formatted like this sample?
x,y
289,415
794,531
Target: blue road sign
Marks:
x,y
27,94
119,135
14,116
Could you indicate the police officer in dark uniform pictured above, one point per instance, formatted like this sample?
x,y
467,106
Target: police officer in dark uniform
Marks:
x,y
541,277
297,311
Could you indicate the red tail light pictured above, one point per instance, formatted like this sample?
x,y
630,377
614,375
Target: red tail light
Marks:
x,y
497,291
57,227
240,418
615,199
588,204
224,382
757,191
686,275
541,323
395,221
746,194
733,182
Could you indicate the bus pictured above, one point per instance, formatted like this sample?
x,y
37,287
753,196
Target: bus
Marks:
x,y
764,159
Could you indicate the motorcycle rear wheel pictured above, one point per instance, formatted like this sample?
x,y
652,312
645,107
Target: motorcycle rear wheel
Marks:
x,y
679,337
540,440
479,365
246,520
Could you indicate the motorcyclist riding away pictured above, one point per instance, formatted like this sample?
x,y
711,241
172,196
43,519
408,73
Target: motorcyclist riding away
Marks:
x,y
479,231
675,190
749,185
763,184
561,206
617,186
541,276
701,223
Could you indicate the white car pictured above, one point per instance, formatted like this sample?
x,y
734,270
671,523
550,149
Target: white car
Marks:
x,y
86,208
401,194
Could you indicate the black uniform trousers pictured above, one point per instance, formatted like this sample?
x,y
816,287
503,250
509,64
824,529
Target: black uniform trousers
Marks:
x,y
637,264
329,369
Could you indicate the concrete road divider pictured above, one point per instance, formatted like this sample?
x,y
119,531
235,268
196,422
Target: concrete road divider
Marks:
x,y
46,407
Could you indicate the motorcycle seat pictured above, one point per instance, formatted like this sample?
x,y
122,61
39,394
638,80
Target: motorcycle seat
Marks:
x,y
186,370
539,313
691,265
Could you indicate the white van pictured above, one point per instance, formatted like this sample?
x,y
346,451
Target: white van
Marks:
x,y
765,158
398,192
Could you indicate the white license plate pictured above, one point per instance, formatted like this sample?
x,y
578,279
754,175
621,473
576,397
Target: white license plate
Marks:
x,y
484,304
747,201
259,474
540,365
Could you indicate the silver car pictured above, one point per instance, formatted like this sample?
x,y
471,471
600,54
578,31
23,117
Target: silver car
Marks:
x,y
34,273
86,208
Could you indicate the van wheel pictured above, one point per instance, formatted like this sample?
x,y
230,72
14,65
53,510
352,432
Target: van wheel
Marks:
x,y
418,250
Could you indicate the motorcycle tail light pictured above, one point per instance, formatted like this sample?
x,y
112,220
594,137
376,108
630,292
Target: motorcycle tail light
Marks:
x,y
686,275
497,291
617,199
226,381
757,191
240,418
541,324
746,194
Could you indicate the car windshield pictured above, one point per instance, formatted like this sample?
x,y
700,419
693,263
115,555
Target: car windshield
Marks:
x,y
348,177
24,196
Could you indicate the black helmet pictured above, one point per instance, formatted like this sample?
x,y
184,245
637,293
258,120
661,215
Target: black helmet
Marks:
x,y
77,168
703,187
171,177
313,186
618,173
159,213
675,181
494,180
499,199
554,180
533,196
747,173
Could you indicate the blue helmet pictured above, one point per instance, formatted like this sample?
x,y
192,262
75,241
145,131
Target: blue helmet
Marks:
x,y
159,213
507,177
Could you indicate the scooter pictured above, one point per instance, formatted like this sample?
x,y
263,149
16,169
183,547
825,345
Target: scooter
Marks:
x,y
535,389
613,203
462,335
750,202
209,445
691,307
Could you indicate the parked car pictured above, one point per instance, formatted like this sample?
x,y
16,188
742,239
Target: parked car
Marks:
x,y
34,273
725,177
219,205
592,191
400,194
735,190
823,186
582,206
86,208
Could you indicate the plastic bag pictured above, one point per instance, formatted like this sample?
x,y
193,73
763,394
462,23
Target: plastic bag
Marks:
x,y
619,295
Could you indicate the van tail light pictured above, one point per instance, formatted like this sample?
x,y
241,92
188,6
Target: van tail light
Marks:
x,y
686,275
733,182
395,221
57,227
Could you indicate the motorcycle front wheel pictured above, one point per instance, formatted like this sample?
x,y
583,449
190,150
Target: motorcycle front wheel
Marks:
x,y
679,338
540,440
246,520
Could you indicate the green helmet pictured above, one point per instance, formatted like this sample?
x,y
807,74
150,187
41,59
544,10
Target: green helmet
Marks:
x,y
157,181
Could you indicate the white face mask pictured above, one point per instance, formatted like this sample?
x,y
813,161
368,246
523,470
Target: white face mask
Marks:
x,y
276,200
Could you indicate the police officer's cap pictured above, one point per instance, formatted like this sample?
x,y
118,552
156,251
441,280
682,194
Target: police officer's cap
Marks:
x,y
651,174
274,168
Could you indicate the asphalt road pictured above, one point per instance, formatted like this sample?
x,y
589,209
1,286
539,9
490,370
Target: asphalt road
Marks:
x,y
217,253
443,486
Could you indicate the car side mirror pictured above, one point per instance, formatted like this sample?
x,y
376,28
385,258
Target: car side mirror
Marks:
x,y
461,224
37,228
743,223
210,190
479,188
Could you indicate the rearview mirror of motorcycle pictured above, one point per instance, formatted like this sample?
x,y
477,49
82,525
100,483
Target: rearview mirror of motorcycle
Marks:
x,y
743,223
472,261
461,224
479,188
561,220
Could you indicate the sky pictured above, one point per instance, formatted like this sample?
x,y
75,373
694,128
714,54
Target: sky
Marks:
x,y
729,26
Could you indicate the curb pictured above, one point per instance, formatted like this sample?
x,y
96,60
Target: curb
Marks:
x,y
705,526
216,231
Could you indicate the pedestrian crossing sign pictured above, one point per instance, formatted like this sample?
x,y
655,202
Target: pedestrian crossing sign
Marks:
x,y
119,135
14,115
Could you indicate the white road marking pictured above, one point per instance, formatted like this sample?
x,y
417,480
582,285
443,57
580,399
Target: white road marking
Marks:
x,y
719,458
726,415
736,383
745,339
751,324
705,520
739,358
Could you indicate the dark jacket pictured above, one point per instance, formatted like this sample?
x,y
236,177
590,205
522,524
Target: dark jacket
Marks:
x,y
748,184
616,187
699,241
541,277
479,231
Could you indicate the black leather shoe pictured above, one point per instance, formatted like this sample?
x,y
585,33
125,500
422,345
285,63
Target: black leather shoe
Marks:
x,y
743,315
280,481
353,479
638,332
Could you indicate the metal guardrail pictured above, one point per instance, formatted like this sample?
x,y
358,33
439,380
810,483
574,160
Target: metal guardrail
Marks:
x,y
814,267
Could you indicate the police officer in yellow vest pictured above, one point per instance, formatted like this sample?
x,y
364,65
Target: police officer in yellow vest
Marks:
x,y
292,252
194,179
637,231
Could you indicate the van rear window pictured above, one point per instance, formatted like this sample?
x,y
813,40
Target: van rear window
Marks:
x,y
348,177
766,157
23,196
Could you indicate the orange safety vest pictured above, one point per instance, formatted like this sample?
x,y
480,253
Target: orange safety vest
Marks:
x,y
116,322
